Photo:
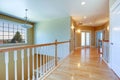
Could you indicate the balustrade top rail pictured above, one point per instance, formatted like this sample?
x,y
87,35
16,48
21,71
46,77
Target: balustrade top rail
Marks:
x,y
5,49
105,40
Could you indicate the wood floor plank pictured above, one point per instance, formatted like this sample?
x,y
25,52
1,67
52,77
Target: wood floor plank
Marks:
x,y
83,64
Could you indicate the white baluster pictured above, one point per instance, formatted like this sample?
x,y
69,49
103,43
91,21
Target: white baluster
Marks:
x,y
43,61
33,77
15,64
52,51
52,59
40,61
28,55
37,61
6,64
22,58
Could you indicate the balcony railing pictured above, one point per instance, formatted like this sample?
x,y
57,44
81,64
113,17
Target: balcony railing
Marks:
x,y
31,62
106,51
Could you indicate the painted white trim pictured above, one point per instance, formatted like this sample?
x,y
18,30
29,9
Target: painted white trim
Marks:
x,y
105,61
115,6
15,64
33,52
110,66
116,69
22,60
6,65
28,58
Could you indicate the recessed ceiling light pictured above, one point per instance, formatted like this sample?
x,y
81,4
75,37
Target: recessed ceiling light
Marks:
x,y
78,31
72,27
83,3
84,17
90,22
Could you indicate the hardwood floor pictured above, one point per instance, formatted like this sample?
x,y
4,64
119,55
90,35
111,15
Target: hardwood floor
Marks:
x,y
83,64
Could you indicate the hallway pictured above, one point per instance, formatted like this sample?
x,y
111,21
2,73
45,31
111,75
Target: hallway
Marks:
x,y
83,64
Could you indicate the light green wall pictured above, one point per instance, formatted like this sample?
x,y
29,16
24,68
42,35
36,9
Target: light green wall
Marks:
x,y
30,36
50,30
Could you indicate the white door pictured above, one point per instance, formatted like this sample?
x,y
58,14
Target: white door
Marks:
x,y
85,39
115,43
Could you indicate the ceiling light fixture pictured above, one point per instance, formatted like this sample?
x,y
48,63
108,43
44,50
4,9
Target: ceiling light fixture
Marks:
x,y
90,22
78,30
83,3
108,28
26,25
84,17
72,27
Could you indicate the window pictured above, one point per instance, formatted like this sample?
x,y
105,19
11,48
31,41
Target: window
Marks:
x,y
12,32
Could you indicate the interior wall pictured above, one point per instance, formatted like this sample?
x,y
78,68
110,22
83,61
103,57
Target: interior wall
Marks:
x,y
51,30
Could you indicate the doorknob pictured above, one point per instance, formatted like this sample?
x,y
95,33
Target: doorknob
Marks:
x,y
111,43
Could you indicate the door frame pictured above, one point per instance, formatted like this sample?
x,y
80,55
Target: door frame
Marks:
x,y
90,37
96,36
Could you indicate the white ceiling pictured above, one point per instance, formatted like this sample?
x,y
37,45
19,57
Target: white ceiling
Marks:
x,y
96,11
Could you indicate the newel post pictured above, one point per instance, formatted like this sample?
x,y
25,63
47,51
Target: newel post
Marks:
x,y
55,52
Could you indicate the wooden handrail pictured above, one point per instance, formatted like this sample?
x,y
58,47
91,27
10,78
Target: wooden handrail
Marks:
x,y
5,49
105,40
63,42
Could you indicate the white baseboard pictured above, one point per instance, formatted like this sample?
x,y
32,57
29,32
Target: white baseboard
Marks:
x,y
116,69
105,61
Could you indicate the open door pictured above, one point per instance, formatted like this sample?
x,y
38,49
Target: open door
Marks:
x,y
114,61
115,43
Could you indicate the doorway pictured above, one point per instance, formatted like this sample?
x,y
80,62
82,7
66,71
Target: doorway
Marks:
x,y
85,39
99,36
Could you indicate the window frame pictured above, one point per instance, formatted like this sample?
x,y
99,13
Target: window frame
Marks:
x,y
12,25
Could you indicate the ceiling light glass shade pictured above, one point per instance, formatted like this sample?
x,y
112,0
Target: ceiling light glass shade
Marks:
x,y
83,3
26,26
